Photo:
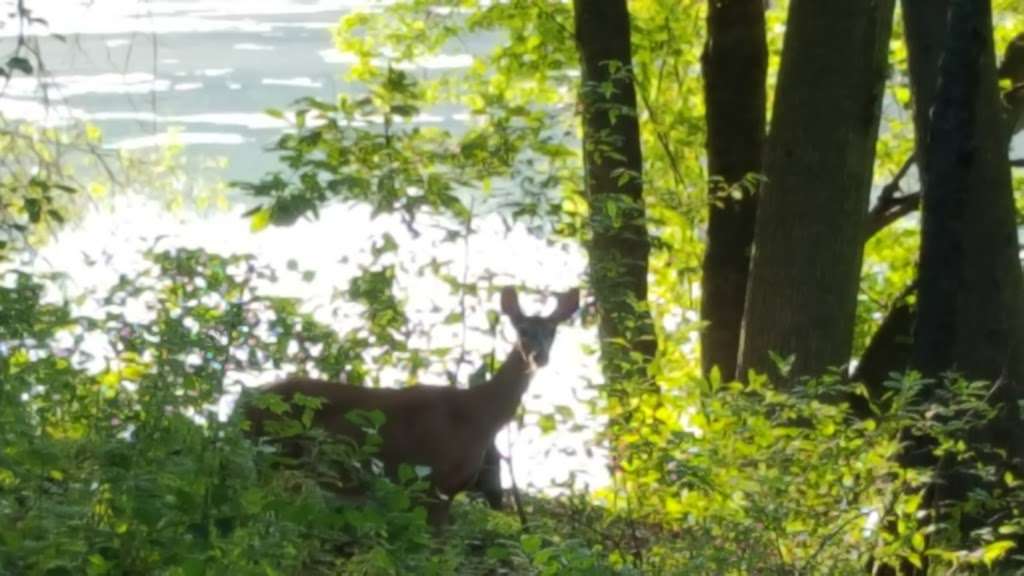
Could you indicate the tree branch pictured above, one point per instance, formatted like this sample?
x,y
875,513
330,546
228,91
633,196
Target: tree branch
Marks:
x,y
891,204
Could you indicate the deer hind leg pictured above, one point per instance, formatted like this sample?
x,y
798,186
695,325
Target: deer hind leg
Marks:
x,y
438,509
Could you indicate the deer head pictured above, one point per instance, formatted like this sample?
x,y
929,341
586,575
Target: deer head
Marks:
x,y
537,333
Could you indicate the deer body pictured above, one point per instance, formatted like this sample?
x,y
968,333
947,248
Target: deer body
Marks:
x,y
444,428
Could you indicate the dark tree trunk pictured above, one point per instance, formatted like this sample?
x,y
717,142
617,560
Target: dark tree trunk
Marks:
x,y
735,63
805,270
888,352
980,305
619,245
924,26
949,159
970,298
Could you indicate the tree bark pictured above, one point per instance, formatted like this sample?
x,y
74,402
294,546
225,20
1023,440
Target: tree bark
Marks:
x,y
735,64
888,351
949,159
619,245
924,28
802,293
971,291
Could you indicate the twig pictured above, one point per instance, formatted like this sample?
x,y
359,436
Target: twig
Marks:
x,y
662,138
634,533
468,231
890,189
899,208
831,536
891,207
517,498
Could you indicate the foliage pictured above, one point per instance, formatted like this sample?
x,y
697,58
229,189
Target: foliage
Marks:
x,y
38,189
120,460
117,456
756,481
51,176
170,176
528,82
53,169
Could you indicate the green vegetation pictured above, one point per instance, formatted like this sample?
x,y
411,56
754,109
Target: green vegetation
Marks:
x,y
117,456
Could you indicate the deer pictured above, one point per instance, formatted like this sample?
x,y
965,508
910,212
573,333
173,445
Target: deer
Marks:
x,y
444,428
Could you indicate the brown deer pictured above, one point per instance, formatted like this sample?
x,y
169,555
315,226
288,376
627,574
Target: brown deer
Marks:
x,y
445,428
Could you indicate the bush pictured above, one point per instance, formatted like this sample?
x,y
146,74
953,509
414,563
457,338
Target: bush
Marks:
x,y
119,458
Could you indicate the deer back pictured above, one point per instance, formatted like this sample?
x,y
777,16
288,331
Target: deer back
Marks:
x,y
431,426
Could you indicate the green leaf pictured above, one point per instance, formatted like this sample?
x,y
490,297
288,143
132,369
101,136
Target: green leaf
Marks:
x,y
259,220
996,550
547,423
531,543
34,208
917,541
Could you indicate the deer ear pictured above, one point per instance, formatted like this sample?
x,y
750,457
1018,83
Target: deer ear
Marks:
x,y
568,303
510,304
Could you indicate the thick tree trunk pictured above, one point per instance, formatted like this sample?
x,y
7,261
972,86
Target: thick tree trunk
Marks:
x,y
983,308
619,245
808,241
971,292
735,63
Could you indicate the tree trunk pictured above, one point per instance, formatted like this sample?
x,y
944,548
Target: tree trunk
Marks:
x,y
735,64
619,245
950,157
971,291
924,28
888,351
804,277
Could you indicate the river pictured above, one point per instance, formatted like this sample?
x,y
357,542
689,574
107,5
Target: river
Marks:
x,y
201,74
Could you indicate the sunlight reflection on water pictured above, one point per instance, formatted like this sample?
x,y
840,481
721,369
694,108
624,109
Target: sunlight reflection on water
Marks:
x,y
221,63
333,247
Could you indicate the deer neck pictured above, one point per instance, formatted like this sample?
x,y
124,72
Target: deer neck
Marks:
x,y
497,400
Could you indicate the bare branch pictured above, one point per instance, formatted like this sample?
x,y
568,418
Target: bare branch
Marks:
x,y
892,204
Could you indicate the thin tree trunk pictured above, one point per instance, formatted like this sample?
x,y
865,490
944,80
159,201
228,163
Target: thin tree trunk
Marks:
x,y
735,64
805,270
924,28
619,246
